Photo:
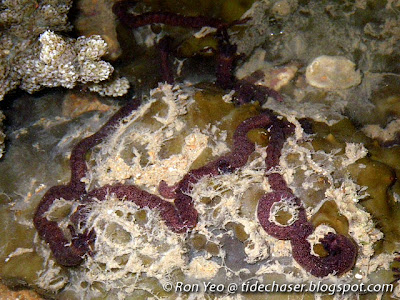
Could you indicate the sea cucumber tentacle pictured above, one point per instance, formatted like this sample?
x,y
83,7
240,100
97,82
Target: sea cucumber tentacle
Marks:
x,y
341,250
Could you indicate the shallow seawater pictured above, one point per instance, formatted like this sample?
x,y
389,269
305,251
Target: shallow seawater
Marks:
x,y
343,161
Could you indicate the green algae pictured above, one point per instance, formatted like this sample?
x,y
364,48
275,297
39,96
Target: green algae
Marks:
x,y
198,46
379,178
329,214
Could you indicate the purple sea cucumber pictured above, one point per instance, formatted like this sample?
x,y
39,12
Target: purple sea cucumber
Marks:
x,y
226,60
226,54
164,45
341,250
179,216
69,252
248,92
395,270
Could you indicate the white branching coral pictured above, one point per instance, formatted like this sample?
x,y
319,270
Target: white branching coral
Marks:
x,y
21,23
115,88
32,56
64,62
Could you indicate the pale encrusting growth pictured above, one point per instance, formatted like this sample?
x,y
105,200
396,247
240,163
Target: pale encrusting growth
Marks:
x,y
342,184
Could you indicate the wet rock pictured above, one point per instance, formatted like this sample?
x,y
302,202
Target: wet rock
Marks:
x,y
283,8
96,18
75,104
